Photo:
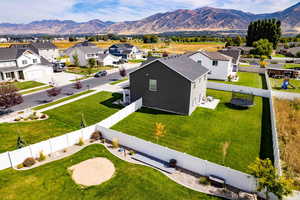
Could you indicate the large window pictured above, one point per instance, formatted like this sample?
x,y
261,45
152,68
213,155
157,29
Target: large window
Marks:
x,y
200,62
24,62
152,85
35,60
215,63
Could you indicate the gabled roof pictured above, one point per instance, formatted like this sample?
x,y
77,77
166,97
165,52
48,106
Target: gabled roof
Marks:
x,y
43,45
215,56
234,53
293,50
123,46
11,53
183,65
84,49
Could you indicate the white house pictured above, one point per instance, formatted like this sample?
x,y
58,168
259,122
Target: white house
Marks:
x,y
23,65
107,59
126,51
220,66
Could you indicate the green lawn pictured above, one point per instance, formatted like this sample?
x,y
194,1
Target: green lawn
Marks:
x,y
291,66
204,132
277,83
248,79
27,85
279,55
119,81
62,100
130,182
84,70
62,120
136,61
36,90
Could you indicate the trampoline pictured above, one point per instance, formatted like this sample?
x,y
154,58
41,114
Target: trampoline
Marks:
x,y
242,99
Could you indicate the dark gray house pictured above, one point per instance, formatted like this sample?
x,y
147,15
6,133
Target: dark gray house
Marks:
x,y
174,84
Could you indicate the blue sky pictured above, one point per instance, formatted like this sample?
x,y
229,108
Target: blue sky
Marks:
x,y
24,11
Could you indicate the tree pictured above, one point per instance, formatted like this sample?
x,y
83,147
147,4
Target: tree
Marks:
x,y
150,38
122,72
75,60
72,39
77,85
262,47
268,179
82,121
9,96
269,29
20,142
92,62
237,41
160,130
53,92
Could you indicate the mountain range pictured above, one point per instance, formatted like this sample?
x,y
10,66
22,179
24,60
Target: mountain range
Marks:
x,y
205,18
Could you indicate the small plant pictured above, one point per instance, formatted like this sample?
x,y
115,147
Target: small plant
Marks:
x,y
43,116
160,130
78,85
80,142
204,180
131,152
42,157
65,150
28,162
17,119
53,92
20,143
96,135
103,141
115,143
20,166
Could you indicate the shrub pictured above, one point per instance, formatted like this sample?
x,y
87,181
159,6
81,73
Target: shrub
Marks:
x,y
28,162
203,180
43,116
20,166
53,92
17,119
80,142
42,156
131,152
78,85
115,143
96,135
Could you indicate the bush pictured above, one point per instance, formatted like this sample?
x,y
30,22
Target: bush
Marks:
x,y
20,166
17,119
204,180
78,85
131,152
28,162
43,116
115,143
80,142
96,135
42,156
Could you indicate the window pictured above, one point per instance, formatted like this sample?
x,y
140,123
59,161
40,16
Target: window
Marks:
x,y
24,62
200,62
34,60
152,85
215,63
8,75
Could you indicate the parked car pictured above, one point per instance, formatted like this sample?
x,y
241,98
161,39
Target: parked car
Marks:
x,y
58,67
101,73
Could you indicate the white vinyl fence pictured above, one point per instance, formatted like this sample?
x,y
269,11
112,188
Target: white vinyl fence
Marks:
x,y
237,88
233,177
13,158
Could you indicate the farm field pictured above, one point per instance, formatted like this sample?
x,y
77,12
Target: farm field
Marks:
x,y
245,132
130,181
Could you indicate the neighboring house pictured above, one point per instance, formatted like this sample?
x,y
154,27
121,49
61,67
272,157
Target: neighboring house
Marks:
x,y
244,50
126,51
291,52
107,59
174,84
220,66
84,53
43,48
23,65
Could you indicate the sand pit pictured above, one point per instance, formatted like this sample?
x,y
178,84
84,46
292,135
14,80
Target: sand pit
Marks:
x,y
93,171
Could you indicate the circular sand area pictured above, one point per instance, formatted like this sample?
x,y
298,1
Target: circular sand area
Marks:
x,y
93,171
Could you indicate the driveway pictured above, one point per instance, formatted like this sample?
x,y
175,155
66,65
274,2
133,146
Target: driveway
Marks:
x,y
63,78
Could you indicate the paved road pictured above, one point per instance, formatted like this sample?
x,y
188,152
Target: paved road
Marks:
x,y
38,98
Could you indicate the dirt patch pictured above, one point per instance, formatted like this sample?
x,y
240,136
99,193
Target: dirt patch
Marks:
x,y
93,171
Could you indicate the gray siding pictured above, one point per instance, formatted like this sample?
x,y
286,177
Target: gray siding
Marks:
x,y
173,90
198,91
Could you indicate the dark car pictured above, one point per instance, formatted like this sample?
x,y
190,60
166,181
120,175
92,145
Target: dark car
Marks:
x,y
101,73
58,67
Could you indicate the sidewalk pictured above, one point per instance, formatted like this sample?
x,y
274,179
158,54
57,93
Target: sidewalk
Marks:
x,y
286,95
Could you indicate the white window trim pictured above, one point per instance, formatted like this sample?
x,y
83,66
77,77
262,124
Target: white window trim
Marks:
x,y
151,88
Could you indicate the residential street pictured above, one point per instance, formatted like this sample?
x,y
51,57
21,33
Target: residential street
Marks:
x,y
38,98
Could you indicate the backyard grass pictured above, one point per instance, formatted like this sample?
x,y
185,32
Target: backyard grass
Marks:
x,y
85,70
279,55
62,120
248,79
52,181
35,90
62,100
288,127
204,133
136,61
119,81
277,83
27,85
291,66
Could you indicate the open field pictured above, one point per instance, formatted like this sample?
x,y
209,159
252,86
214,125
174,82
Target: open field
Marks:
x,y
52,181
277,83
288,126
204,133
291,66
62,120
248,79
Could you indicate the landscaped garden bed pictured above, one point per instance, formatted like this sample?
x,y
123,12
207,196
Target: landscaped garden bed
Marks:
x,y
248,79
129,181
61,120
228,136
277,83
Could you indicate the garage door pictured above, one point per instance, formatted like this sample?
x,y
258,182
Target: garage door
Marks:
x,y
35,75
